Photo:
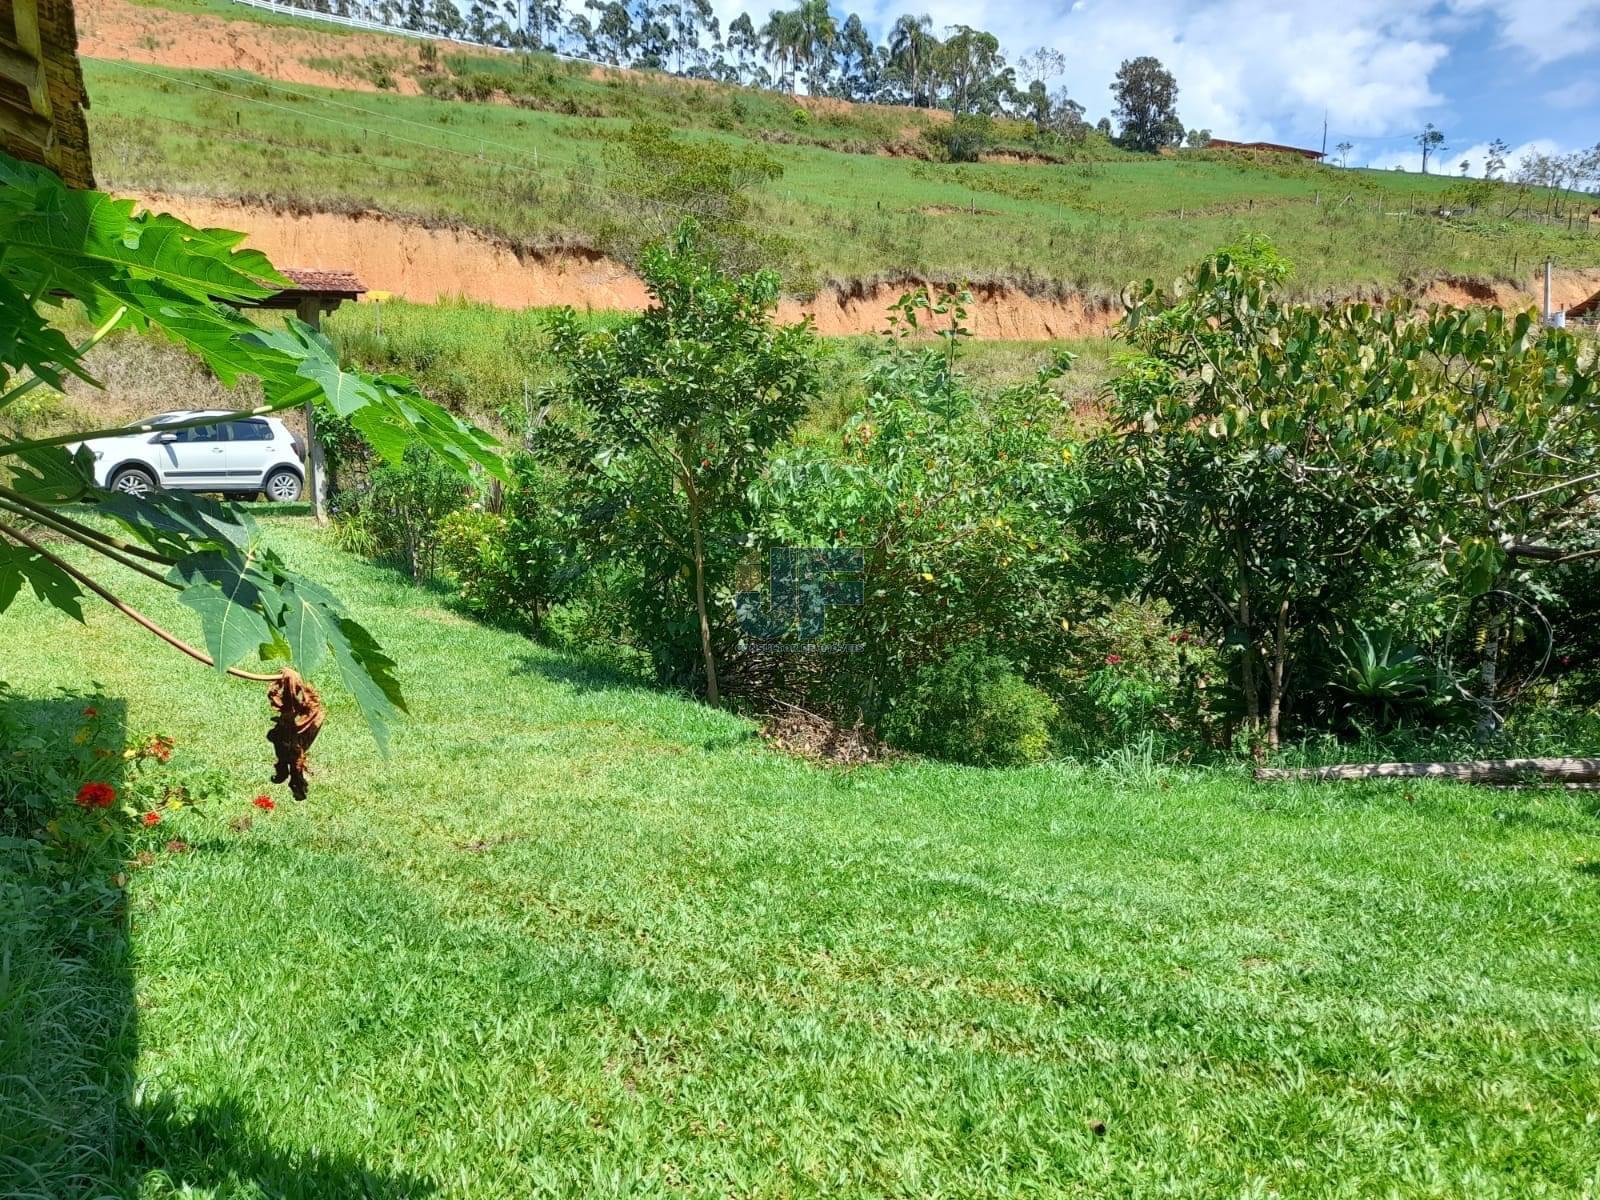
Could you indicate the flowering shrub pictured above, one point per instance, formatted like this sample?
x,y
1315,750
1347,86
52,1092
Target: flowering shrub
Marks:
x,y
1135,673
71,801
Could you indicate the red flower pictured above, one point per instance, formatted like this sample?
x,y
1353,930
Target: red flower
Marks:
x,y
91,711
97,795
152,818
1113,659
264,803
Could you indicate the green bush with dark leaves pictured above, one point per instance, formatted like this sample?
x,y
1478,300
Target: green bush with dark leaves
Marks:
x,y
972,707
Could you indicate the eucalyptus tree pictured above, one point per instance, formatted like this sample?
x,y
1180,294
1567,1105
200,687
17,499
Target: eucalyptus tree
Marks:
x,y
857,60
1431,142
743,44
973,71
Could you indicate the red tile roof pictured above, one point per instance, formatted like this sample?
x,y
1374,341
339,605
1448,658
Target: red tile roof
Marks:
x,y
342,283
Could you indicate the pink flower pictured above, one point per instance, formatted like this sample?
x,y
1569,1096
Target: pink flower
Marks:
x,y
1113,659
152,818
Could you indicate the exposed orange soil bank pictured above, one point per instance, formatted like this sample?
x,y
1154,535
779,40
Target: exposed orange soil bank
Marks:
x,y
199,41
426,264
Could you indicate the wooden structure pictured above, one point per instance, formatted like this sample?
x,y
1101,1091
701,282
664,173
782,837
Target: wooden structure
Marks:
x,y
41,88
313,294
1264,147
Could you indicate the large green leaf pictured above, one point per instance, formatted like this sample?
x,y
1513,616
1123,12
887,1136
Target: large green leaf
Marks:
x,y
27,341
369,674
232,597
179,523
307,624
51,475
49,582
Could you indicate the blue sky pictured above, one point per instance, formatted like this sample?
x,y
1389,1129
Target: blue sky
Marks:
x,y
1525,71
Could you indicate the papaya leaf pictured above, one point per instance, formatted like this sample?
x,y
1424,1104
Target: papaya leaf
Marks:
x,y
369,674
179,523
10,575
49,582
307,624
232,598
26,340
51,475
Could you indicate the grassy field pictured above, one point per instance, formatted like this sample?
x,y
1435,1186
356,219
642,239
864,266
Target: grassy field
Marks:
x,y
547,173
580,938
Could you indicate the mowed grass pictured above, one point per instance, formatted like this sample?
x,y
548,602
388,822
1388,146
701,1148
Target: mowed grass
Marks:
x,y
581,938
549,177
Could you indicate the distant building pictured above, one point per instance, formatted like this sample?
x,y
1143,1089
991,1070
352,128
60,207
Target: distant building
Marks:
x,y
1268,147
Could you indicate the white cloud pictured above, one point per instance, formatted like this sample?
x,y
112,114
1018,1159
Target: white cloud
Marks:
x,y
1244,69
1449,164
1545,32
1580,93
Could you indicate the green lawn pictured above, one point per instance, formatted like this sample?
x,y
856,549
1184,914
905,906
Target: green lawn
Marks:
x,y
579,938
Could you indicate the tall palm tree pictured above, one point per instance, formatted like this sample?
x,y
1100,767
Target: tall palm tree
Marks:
x,y
817,33
911,43
780,42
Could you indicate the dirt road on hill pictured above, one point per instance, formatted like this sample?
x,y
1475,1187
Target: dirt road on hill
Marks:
x,y
424,264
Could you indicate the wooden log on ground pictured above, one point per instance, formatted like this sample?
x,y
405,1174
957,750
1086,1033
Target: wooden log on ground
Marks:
x,y
1484,770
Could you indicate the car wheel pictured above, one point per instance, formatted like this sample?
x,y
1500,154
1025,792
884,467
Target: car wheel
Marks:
x,y
135,481
282,486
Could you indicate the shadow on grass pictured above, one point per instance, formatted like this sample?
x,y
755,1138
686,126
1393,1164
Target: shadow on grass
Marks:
x,y
581,674
70,1124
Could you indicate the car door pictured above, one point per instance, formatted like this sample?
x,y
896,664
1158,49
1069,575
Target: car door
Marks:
x,y
251,450
195,459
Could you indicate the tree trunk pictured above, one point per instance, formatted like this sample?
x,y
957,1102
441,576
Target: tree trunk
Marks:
x,y
1486,770
713,697
1247,660
1489,677
1275,679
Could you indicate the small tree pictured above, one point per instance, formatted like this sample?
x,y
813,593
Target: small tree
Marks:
x,y
1227,467
1146,97
1494,163
1344,149
675,413
1431,142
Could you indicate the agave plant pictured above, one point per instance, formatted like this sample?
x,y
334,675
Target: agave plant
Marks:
x,y
1382,679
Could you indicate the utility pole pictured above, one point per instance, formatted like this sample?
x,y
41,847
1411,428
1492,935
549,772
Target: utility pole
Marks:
x,y
1324,135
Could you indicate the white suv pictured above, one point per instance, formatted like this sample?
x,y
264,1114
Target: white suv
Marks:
x,y
239,457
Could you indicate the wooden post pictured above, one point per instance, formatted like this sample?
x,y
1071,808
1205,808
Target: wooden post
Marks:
x,y
310,311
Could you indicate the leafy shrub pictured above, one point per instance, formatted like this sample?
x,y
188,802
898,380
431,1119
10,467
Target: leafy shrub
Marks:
x,y
510,567
472,553
398,517
962,140
973,707
1134,674
961,505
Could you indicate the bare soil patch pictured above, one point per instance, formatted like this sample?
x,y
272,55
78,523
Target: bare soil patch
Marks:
x,y
158,37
